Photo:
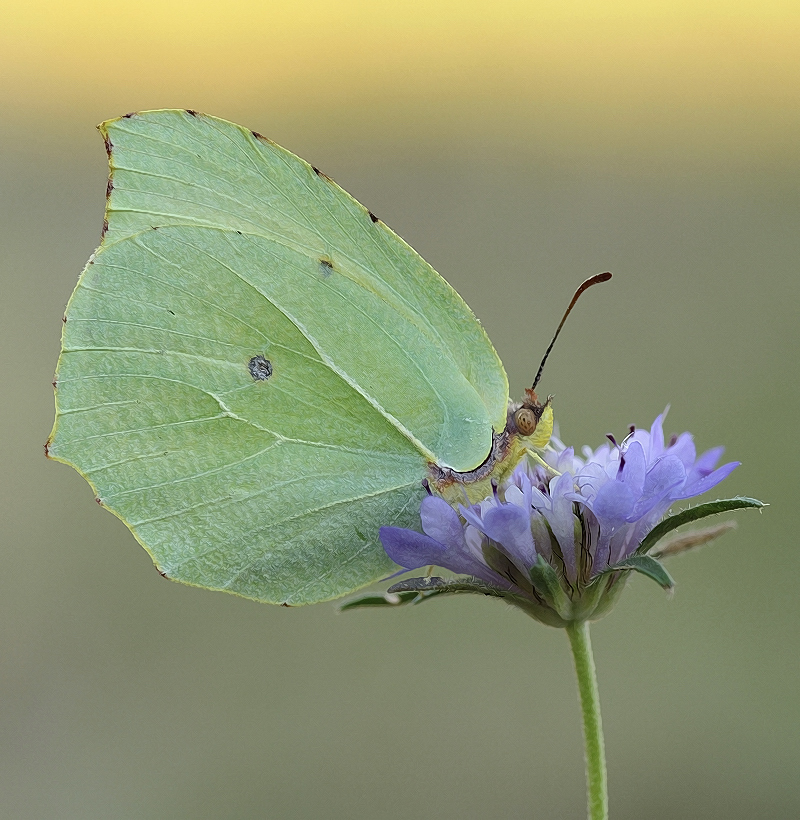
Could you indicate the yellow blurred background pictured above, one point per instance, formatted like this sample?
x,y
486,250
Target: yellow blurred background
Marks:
x,y
519,146
714,81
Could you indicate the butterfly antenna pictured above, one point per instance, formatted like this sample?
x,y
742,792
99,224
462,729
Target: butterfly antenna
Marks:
x,y
592,280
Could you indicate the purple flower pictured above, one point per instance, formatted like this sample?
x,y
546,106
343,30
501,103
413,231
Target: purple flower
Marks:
x,y
553,535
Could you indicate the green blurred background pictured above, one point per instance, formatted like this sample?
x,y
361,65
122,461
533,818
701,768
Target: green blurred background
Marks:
x,y
519,147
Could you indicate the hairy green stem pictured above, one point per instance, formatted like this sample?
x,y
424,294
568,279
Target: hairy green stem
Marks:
x,y
596,780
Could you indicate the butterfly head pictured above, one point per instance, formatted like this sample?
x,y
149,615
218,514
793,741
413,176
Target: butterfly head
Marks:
x,y
531,419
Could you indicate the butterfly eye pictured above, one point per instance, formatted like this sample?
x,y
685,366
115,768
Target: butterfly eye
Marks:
x,y
526,421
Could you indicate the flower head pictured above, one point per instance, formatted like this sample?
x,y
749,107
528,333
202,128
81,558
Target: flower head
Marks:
x,y
559,537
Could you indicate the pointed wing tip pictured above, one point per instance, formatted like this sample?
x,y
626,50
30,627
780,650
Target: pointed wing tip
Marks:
x,y
106,127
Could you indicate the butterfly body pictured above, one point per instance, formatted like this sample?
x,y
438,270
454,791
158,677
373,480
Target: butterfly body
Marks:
x,y
256,373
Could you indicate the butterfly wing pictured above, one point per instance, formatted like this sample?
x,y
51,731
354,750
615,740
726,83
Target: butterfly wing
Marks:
x,y
255,371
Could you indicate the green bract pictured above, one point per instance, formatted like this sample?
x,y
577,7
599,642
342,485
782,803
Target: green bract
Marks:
x,y
256,371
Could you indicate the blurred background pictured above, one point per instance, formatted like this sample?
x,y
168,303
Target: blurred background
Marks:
x,y
519,147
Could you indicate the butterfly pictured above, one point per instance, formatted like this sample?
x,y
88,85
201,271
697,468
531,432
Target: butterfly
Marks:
x,y
257,373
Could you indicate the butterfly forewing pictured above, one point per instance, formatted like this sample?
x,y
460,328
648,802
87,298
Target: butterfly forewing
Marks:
x,y
176,167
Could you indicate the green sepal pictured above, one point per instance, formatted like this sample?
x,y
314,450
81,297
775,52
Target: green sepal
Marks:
x,y
505,567
694,514
590,600
645,564
379,600
417,590
610,588
431,586
546,583
539,612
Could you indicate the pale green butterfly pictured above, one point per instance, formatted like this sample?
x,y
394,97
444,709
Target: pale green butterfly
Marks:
x,y
256,373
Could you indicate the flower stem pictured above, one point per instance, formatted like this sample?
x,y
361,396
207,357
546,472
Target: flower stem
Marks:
x,y
596,780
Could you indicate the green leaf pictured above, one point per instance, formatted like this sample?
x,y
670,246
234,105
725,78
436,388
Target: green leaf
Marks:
x,y
646,565
694,514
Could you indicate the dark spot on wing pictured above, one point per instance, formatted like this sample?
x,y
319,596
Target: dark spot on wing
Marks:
x,y
191,112
128,115
373,217
47,449
55,384
260,368
64,318
99,500
105,228
108,144
326,266
320,174
171,312
262,138
109,188
288,606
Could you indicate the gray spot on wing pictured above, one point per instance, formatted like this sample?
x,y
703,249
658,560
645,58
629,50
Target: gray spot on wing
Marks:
x,y
260,368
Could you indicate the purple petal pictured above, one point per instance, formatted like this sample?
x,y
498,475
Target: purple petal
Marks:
x,y
470,515
614,503
411,549
684,449
520,493
441,522
539,500
590,479
666,478
513,495
510,527
562,520
708,460
622,543
651,507
705,483
657,436
666,473
633,473
566,460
